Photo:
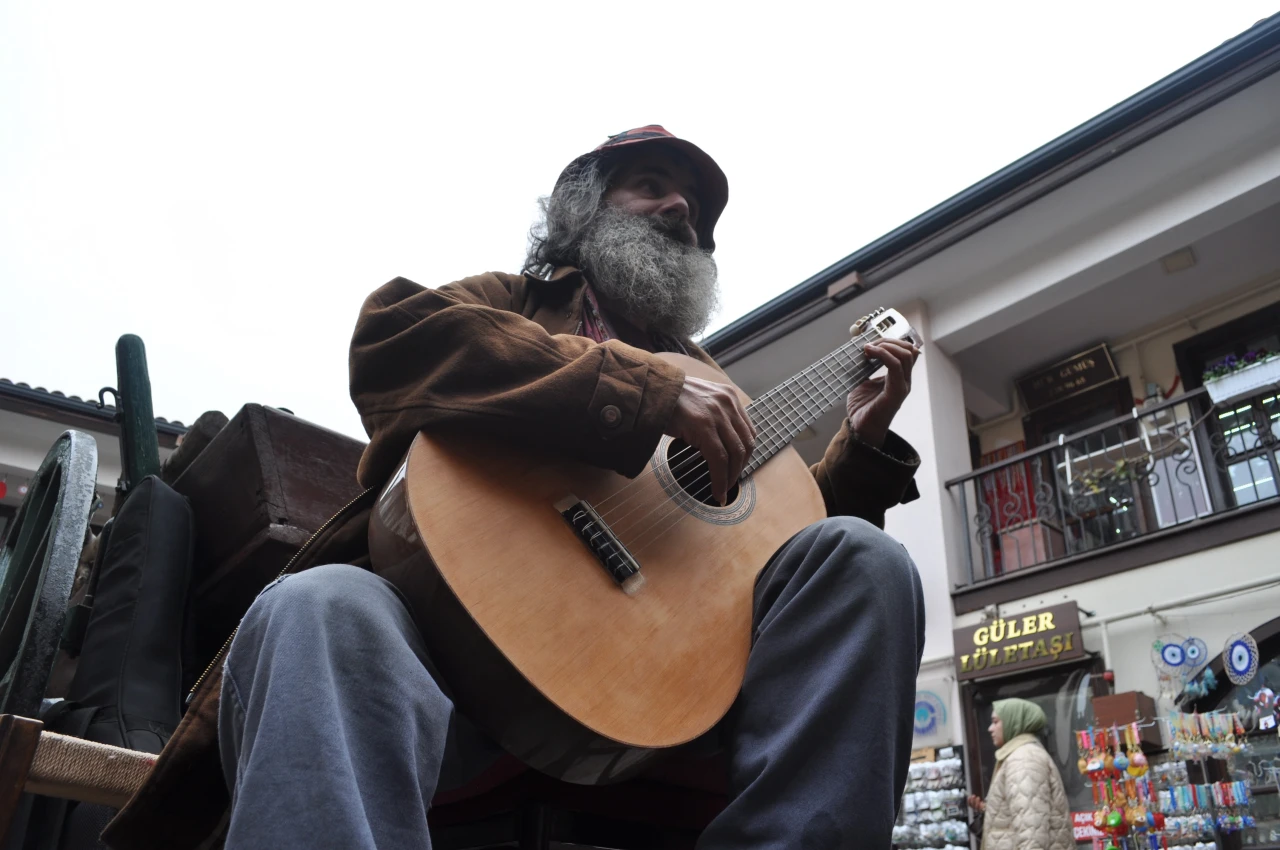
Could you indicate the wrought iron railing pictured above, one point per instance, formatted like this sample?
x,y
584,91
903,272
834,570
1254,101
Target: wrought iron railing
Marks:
x,y
1164,465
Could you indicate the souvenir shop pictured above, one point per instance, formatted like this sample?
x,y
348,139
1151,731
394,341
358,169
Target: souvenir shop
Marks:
x,y
1200,771
1038,656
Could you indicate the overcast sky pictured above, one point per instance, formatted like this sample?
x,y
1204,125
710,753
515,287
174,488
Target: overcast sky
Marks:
x,y
229,181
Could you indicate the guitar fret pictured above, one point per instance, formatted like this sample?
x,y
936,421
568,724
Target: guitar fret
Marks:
x,y
780,414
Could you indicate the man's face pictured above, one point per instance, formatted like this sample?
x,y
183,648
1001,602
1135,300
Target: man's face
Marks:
x,y
660,185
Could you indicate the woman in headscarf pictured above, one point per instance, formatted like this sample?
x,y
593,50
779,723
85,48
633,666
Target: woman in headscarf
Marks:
x,y
1026,807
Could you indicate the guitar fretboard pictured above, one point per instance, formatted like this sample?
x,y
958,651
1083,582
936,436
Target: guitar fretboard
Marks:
x,y
795,404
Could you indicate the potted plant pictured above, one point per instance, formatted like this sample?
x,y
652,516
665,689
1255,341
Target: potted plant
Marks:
x,y
1241,376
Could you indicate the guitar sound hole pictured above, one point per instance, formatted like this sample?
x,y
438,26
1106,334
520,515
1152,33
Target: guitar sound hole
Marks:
x,y
691,472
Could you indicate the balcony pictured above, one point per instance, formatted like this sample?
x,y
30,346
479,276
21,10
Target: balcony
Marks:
x,y
1053,516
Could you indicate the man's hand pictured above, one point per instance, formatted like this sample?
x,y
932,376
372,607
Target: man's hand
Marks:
x,y
710,417
873,404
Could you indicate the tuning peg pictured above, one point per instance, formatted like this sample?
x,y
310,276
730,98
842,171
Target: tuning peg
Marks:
x,y
859,326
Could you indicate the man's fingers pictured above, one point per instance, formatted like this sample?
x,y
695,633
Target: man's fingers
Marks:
x,y
711,418
737,459
893,358
710,444
743,425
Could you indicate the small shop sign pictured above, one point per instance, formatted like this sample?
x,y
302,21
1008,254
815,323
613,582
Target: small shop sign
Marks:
x,y
1066,378
1083,828
1008,644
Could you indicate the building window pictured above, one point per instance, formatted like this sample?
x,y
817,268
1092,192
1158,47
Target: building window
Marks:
x,y
1241,438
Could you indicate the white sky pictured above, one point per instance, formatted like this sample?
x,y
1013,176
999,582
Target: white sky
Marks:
x,y
229,181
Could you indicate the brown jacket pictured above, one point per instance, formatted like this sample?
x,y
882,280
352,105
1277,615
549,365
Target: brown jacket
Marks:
x,y
479,365
496,354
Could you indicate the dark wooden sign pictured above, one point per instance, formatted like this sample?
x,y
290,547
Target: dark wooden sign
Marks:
x,y
1008,644
1066,378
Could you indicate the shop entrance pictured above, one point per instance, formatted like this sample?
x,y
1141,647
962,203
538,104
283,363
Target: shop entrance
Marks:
x,y
1064,691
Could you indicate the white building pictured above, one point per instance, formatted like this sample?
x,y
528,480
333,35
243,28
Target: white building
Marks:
x,y
1153,231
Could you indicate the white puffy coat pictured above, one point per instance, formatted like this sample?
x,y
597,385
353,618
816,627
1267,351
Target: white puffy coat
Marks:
x,y
1027,806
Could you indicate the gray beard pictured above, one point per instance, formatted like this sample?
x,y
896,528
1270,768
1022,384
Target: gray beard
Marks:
x,y
639,264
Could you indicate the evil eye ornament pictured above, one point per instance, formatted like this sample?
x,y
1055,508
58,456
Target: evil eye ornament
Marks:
x,y
1195,652
1173,654
1240,658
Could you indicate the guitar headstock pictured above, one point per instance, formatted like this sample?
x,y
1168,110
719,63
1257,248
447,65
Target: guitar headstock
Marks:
x,y
886,324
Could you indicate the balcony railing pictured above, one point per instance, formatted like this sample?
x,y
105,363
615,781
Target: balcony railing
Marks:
x,y
1162,466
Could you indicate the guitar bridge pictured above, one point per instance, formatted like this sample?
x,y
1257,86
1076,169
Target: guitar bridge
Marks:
x,y
599,538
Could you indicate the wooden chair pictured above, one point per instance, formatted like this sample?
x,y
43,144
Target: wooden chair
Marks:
x,y
509,805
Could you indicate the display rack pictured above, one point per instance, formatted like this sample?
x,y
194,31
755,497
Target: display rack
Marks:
x,y
934,812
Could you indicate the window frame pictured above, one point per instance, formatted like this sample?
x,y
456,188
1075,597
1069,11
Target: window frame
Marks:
x,y
1192,358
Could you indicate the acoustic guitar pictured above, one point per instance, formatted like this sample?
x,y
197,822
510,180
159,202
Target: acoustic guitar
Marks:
x,y
587,621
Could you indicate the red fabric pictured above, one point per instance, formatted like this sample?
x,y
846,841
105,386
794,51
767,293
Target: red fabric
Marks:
x,y
1008,486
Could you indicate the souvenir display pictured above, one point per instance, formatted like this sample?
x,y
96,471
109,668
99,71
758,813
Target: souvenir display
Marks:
x,y
1197,736
1177,662
1202,685
1240,658
1139,805
933,807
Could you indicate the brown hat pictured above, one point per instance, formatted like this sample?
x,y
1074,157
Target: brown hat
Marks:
x,y
713,187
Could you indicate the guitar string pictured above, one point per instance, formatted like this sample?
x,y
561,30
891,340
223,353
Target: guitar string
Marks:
x,y
850,344
653,532
648,535
771,419
783,430
844,350
850,364
850,361
863,337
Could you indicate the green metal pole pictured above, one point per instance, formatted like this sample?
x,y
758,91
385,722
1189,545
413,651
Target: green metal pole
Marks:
x,y
139,444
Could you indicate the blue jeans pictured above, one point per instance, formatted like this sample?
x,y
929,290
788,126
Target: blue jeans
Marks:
x,y
335,731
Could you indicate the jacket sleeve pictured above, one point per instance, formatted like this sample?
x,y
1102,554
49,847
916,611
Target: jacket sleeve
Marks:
x,y
459,358
858,480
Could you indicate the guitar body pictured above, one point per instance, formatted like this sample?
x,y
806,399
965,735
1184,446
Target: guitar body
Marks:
x,y
535,641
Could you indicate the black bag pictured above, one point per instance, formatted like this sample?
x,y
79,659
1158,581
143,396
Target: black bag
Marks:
x,y
127,688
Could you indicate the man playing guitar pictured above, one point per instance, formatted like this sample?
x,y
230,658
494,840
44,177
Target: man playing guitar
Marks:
x,y
336,731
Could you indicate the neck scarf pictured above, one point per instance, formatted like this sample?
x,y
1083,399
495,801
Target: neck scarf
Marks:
x,y
595,325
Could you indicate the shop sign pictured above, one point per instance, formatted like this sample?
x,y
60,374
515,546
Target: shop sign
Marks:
x,y
1069,377
1082,826
1009,644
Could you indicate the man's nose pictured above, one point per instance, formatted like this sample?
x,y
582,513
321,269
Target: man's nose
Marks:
x,y
674,205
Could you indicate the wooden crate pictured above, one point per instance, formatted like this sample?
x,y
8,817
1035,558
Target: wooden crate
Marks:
x,y
1126,707
259,490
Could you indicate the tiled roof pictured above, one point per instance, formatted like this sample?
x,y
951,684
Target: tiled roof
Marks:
x,y
74,404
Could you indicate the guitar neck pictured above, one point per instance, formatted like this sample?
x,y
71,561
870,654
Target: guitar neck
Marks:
x,y
795,404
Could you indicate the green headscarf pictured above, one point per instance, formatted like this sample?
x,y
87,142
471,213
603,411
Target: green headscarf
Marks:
x,y
1019,716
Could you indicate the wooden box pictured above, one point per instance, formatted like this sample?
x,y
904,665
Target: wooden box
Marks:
x,y
1124,708
1032,542
259,490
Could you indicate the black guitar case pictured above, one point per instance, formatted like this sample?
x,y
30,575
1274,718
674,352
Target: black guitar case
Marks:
x,y
127,687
